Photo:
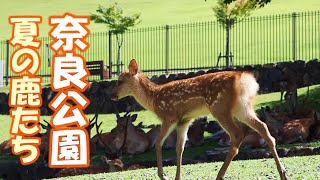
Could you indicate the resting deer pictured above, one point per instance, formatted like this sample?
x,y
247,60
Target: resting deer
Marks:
x,y
226,95
105,166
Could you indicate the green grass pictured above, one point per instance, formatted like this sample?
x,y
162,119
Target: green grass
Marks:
x,y
153,13
298,168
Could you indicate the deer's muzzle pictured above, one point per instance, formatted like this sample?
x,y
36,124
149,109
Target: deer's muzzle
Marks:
x,y
114,96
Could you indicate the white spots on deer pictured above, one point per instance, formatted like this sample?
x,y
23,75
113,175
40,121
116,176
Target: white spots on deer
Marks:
x,y
163,103
136,77
179,94
219,95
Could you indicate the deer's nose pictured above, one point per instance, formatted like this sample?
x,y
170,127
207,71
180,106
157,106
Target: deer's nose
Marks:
x,y
114,97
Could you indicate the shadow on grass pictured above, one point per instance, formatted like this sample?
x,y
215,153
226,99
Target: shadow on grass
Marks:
x,y
189,153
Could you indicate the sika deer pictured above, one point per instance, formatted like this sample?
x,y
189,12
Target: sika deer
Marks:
x,y
226,95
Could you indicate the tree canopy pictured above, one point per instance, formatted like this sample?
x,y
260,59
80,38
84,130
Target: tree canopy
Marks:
x,y
235,10
114,18
260,3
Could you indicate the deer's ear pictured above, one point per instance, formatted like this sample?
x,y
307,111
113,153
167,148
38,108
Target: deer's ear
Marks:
x,y
43,126
134,117
133,67
105,159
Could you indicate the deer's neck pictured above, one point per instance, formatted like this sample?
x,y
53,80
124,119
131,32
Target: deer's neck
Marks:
x,y
144,92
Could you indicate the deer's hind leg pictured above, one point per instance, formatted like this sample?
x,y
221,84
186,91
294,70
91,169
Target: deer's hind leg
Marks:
x,y
236,135
245,113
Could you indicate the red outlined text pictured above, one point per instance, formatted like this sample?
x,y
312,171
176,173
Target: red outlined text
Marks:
x,y
69,141
25,91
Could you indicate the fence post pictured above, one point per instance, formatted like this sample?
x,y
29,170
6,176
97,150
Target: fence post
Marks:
x,y
294,35
167,49
7,64
110,54
49,55
228,26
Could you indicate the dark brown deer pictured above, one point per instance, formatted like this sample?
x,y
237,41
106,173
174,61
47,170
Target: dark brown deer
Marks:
x,y
124,137
252,140
107,165
154,132
196,132
297,129
223,94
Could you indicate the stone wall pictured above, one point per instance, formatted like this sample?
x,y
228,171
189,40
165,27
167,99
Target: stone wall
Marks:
x,y
271,78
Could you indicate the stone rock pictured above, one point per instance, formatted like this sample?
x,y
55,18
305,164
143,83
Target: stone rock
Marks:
x,y
181,76
154,79
282,152
200,73
213,70
172,77
191,75
162,79
300,151
213,127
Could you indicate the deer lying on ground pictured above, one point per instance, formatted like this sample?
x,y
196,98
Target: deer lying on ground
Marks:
x,y
297,129
125,136
196,132
226,95
5,148
107,165
251,140
152,135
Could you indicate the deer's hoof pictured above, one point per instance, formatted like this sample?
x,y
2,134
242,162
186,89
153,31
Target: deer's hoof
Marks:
x,y
163,177
284,176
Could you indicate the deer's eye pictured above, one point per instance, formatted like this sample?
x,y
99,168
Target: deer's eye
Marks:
x,y
120,82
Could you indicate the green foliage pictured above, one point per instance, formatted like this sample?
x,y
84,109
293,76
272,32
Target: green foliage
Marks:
x,y
234,11
114,18
260,3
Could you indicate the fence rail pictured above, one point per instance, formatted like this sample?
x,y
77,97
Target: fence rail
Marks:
x,y
195,46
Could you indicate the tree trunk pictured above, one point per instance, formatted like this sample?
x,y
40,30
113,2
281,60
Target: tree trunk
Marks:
x,y
119,43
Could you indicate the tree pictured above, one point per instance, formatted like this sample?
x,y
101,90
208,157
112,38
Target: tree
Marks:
x,y
117,23
260,3
229,12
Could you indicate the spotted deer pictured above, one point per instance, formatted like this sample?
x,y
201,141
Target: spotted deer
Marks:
x,y
228,96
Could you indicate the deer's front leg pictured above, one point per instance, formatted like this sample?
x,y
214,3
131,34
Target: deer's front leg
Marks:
x,y
165,130
182,130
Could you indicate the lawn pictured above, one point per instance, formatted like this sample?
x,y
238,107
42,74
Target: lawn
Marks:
x,y
305,167
153,13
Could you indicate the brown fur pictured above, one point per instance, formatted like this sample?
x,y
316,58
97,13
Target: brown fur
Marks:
x,y
225,95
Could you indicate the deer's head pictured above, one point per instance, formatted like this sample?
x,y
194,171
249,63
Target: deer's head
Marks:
x,y
126,83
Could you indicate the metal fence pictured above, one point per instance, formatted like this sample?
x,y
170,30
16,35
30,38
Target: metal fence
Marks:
x,y
195,46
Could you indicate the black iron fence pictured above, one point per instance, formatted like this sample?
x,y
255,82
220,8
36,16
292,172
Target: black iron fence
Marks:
x,y
195,46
